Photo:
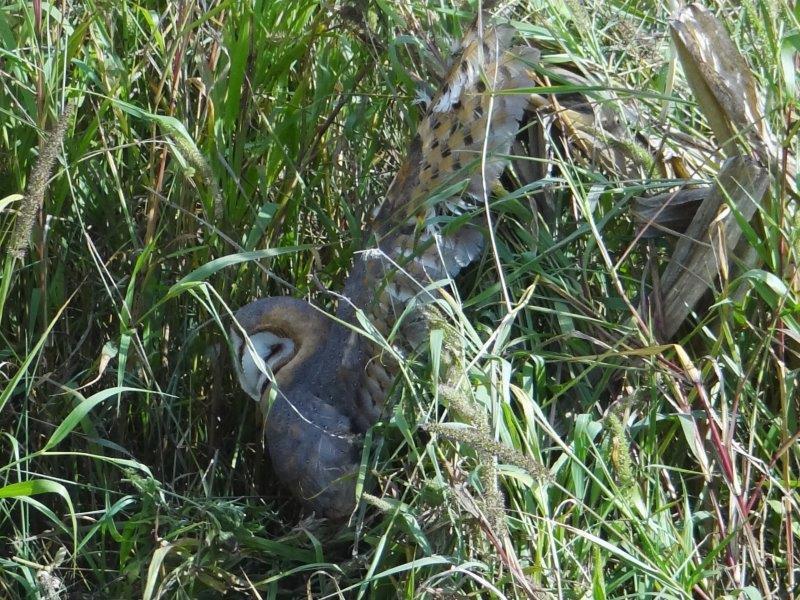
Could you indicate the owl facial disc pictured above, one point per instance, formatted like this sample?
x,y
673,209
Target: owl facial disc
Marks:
x,y
257,366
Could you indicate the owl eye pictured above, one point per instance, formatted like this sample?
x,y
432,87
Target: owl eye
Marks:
x,y
257,365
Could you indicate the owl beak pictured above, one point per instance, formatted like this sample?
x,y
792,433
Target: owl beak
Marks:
x,y
244,350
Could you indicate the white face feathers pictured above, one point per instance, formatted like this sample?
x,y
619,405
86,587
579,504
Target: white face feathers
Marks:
x,y
257,362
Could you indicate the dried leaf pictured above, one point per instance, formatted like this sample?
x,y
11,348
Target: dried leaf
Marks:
x,y
722,83
711,237
671,212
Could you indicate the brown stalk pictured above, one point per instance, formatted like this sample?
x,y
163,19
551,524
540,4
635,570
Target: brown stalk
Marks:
x,y
37,184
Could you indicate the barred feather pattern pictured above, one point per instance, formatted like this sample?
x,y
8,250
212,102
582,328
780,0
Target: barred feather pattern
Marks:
x,y
461,147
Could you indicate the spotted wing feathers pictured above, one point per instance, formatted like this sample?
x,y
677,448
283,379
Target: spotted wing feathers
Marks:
x,y
467,131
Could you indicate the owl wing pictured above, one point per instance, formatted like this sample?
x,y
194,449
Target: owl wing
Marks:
x,y
466,133
457,155
459,152
315,451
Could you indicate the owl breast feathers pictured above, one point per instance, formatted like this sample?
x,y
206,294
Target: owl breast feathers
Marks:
x,y
331,381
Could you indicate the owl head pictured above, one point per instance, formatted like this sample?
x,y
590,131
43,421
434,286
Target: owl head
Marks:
x,y
281,344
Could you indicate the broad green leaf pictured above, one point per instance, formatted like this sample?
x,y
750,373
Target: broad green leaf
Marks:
x,y
80,411
208,269
33,487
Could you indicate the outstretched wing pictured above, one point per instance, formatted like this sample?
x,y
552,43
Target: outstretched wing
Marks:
x,y
466,133
457,155
459,152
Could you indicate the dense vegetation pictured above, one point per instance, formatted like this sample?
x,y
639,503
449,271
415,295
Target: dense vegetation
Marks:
x,y
221,151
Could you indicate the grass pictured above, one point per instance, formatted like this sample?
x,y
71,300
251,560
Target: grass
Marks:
x,y
224,151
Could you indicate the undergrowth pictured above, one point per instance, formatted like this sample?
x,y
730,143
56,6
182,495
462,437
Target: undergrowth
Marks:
x,y
215,152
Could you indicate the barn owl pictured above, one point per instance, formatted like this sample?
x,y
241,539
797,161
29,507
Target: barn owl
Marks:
x,y
320,381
